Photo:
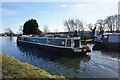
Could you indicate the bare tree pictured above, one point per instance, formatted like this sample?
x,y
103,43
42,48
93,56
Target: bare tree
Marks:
x,y
9,32
90,26
117,22
79,25
113,23
20,29
100,26
110,23
73,24
66,23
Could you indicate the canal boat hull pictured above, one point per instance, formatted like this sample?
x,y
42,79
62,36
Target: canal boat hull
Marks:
x,y
108,42
106,46
52,49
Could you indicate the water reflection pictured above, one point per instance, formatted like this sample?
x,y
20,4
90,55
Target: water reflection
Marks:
x,y
68,61
110,53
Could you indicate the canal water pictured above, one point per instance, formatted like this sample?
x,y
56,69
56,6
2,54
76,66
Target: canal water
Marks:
x,y
97,64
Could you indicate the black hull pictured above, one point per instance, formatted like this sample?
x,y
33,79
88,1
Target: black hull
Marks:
x,y
97,45
106,46
111,46
52,50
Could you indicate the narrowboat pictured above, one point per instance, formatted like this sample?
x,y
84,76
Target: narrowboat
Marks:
x,y
110,41
57,45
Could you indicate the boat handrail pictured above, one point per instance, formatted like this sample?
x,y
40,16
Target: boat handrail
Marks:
x,y
52,37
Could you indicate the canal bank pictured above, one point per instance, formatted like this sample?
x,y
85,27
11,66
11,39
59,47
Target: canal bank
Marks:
x,y
12,68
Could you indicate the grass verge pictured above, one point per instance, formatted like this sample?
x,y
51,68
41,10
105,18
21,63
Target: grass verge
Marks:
x,y
12,68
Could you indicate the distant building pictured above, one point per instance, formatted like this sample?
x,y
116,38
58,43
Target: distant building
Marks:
x,y
88,34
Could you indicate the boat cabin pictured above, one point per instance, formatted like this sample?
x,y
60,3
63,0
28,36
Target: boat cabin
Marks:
x,y
63,42
111,38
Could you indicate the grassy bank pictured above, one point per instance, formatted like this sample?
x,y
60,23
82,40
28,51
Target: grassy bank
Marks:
x,y
12,68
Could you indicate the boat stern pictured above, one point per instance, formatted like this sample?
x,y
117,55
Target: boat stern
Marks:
x,y
84,50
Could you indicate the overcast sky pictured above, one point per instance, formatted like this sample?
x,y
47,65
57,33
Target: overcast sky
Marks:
x,y
14,14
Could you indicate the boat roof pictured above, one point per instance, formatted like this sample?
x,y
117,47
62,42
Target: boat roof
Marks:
x,y
52,37
112,34
26,36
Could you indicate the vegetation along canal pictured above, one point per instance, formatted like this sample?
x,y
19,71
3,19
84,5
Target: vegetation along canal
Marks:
x,y
97,64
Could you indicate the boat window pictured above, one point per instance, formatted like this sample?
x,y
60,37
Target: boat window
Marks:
x,y
25,39
31,39
34,40
113,38
105,36
76,43
63,42
68,44
42,40
28,39
20,38
57,42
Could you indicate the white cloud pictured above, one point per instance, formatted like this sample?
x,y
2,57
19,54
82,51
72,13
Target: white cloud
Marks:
x,y
64,6
93,11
